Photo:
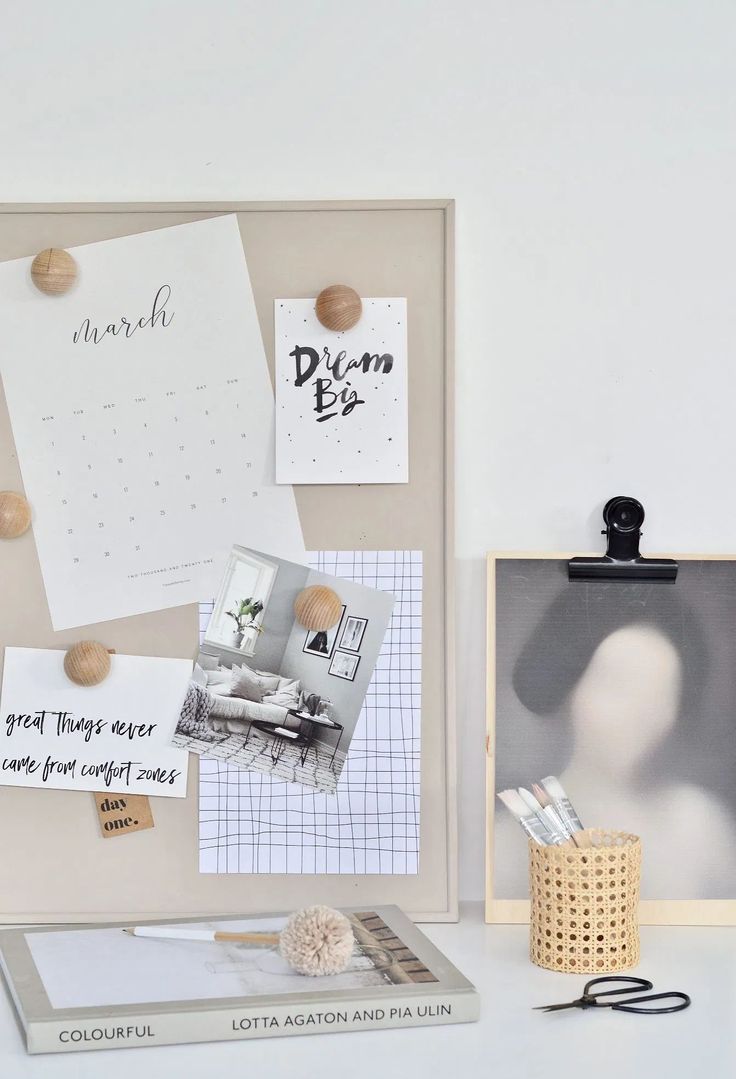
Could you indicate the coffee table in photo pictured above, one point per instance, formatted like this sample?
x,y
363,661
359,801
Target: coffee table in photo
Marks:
x,y
316,722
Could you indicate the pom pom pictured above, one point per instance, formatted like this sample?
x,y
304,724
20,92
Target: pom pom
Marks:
x,y
318,940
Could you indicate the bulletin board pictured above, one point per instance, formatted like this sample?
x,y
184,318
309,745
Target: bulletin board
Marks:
x,y
53,863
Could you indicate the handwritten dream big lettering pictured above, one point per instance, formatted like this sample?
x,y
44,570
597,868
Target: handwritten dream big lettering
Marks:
x,y
335,395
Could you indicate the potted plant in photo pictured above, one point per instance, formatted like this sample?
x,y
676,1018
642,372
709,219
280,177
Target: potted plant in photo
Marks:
x,y
244,616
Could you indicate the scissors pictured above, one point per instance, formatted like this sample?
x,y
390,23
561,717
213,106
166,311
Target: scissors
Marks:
x,y
593,1000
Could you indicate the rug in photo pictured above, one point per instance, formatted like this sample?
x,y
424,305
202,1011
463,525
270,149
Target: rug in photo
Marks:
x,y
278,685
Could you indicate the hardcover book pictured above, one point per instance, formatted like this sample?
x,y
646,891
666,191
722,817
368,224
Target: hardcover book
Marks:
x,y
94,986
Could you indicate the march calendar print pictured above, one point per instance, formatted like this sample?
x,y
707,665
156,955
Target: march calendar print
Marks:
x,y
142,413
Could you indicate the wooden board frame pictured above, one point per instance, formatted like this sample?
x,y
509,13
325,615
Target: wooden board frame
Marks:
x,y
651,911
27,228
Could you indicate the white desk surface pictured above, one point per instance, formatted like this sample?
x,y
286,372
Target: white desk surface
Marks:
x,y
510,1042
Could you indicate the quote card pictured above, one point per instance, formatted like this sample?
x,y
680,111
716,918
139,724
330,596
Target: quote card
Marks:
x,y
143,413
111,737
341,398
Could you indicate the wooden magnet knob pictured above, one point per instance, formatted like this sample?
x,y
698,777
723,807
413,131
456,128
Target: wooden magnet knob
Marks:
x,y
317,607
338,307
54,271
87,663
15,515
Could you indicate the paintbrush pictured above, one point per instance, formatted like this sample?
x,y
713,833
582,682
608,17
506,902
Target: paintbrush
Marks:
x,y
314,941
534,827
546,803
562,804
546,814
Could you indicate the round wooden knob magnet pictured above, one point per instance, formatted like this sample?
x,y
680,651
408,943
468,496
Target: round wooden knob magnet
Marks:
x,y
54,271
317,607
338,307
15,515
87,663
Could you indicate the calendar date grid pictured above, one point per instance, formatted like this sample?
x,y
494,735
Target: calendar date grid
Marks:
x,y
121,466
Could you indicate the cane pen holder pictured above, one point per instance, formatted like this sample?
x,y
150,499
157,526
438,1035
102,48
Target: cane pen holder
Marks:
x,y
584,904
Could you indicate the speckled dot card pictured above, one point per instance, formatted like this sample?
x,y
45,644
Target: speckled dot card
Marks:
x,y
341,398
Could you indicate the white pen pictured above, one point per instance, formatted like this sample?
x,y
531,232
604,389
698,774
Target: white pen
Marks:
x,y
168,932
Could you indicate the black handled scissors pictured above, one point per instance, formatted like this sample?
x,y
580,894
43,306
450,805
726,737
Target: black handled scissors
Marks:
x,y
594,1000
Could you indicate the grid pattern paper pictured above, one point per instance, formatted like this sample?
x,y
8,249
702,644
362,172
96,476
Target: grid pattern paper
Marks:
x,y
252,823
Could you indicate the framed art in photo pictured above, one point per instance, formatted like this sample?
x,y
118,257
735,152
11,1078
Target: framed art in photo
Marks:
x,y
352,635
344,665
322,642
626,691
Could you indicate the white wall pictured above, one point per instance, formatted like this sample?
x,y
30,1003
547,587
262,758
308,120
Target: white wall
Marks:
x,y
590,147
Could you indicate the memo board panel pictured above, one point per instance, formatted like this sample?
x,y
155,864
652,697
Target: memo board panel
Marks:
x,y
53,865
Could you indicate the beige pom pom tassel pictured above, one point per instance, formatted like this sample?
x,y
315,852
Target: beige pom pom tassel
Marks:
x,y
318,940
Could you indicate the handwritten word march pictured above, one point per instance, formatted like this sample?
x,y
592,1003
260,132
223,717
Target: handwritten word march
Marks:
x,y
159,316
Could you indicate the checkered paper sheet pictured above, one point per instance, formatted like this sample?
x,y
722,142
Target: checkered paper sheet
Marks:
x,y
252,823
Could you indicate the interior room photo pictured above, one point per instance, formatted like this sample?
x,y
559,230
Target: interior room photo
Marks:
x,y
269,693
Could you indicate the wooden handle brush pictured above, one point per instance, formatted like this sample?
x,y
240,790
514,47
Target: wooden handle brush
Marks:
x,y
314,941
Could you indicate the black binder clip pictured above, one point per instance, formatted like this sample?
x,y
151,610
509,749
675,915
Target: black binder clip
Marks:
x,y
623,517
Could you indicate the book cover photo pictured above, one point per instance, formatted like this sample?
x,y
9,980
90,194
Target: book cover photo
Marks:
x,y
93,987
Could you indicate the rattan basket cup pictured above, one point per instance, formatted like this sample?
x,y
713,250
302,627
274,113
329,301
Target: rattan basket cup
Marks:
x,y
584,904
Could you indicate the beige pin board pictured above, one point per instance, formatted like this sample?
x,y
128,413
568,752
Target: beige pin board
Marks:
x,y
55,865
